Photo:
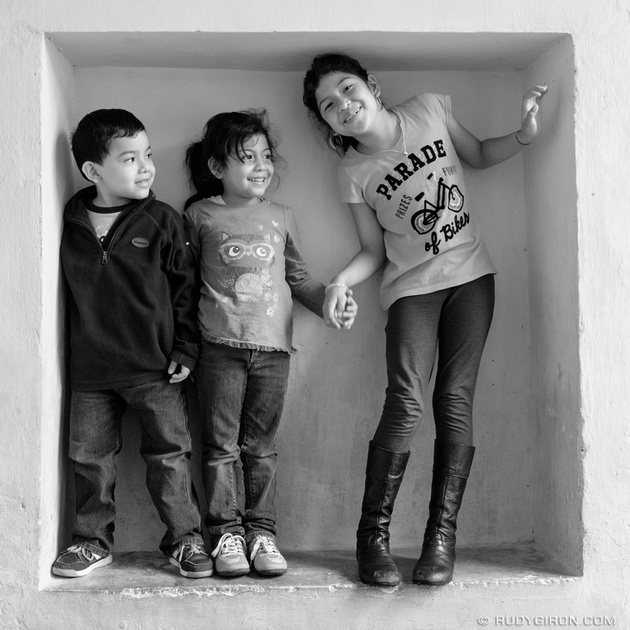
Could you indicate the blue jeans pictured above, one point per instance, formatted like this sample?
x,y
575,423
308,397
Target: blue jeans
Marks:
x,y
454,324
241,396
95,440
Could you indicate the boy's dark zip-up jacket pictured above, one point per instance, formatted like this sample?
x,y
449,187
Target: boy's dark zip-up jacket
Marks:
x,y
133,301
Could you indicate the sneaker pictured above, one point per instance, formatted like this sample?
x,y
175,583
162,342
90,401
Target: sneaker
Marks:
x,y
265,557
78,560
229,556
191,558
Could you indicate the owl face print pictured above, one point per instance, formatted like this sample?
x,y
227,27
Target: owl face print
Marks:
x,y
248,258
246,250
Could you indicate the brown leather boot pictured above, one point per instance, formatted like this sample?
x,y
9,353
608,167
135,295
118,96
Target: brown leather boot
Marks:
x,y
383,476
451,466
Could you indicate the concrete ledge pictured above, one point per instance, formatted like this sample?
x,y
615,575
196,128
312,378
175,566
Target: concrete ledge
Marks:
x,y
149,575
321,591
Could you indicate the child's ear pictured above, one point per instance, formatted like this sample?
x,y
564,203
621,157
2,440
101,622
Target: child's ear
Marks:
x,y
90,171
373,85
215,168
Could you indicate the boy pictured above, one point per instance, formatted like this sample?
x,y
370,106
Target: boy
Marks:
x,y
133,340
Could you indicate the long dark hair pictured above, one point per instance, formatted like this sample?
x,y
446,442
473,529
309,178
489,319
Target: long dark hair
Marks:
x,y
223,138
320,67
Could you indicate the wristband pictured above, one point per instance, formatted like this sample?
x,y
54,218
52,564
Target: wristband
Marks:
x,y
523,144
336,284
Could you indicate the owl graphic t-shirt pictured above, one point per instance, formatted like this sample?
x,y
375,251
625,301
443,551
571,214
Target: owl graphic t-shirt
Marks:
x,y
418,192
250,266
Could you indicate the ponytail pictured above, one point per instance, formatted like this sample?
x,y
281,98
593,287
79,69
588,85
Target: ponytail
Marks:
x,y
201,179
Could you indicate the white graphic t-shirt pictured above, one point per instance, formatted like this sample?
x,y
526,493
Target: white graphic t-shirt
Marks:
x,y
102,222
420,200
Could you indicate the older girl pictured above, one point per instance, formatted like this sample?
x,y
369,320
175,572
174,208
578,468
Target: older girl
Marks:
x,y
401,175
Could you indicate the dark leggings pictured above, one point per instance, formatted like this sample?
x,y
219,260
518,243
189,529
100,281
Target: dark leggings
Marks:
x,y
453,323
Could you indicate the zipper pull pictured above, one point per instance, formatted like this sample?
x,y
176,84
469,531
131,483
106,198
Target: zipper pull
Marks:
x,y
104,258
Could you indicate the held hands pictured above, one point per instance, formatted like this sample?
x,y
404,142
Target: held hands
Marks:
x,y
530,115
339,308
177,376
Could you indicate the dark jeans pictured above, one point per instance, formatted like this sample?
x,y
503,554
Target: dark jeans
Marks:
x,y
453,323
95,440
241,395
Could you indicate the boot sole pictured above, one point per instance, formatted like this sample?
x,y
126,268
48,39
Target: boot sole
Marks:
x,y
388,585
394,582
427,583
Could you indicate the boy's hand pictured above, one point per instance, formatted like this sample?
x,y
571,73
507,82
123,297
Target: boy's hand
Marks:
x,y
177,376
530,114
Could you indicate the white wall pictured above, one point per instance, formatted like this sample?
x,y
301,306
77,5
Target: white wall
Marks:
x,y
56,179
337,385
552,235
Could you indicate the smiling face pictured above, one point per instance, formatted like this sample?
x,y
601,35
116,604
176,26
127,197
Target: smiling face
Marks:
x,y
347,103
247,175
126,173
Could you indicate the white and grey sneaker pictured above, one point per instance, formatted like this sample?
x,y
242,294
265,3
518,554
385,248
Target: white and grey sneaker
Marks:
x,y
229,556
265,557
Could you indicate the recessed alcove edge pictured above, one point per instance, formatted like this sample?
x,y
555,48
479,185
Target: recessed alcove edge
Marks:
x,y
527,485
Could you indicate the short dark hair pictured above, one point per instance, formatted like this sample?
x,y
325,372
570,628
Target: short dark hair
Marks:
x,y
94,133
320,67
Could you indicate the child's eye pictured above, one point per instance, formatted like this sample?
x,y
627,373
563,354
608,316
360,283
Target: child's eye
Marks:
x,y
246,157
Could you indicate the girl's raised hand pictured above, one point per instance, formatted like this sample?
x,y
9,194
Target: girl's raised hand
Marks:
x,y
530,114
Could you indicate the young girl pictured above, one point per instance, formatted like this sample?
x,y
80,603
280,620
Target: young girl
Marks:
x,y
402,178
250,265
